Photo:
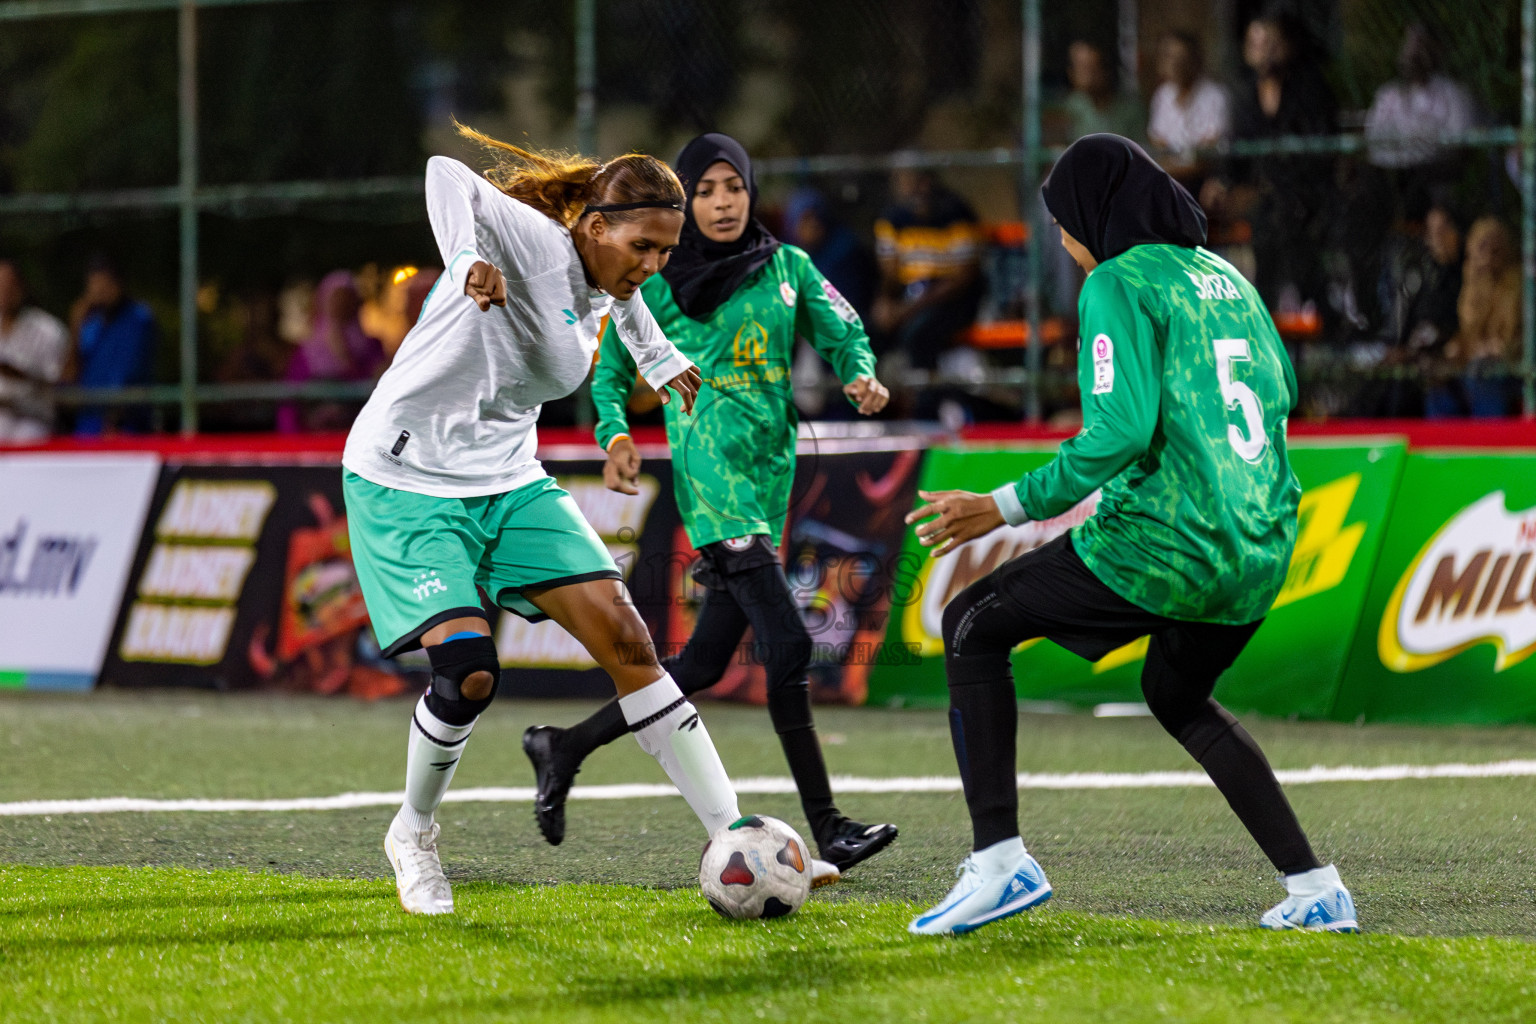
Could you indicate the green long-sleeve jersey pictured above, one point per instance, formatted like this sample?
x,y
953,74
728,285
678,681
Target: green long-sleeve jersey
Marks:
x,y
1186,389
733,459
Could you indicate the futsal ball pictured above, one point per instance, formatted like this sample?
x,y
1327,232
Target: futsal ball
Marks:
x,y
755,867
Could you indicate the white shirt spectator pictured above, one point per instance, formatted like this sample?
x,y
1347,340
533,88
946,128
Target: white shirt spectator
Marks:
x,y
1184,127
1407,119
32,357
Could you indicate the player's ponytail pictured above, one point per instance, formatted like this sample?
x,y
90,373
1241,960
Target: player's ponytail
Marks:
x,y
561,185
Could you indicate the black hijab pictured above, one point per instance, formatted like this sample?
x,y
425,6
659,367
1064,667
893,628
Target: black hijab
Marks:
x,y
1109,195
703,273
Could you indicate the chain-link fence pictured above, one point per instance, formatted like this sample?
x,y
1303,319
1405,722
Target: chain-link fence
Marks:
x,y
226,157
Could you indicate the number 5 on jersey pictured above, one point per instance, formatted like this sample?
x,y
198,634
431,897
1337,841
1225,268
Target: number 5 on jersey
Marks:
x,y
1240,395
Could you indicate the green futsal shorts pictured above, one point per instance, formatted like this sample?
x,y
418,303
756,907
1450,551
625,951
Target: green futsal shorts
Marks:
x,y
423,560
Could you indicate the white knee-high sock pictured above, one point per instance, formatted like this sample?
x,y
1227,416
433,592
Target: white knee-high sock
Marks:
x,y
432,756
669,729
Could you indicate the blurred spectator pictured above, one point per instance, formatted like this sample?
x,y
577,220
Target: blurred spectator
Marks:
x,y
1486,348
810,223
416,291
337,349
927,242
1094,104
1411,113
34,347
1281,196
116,347
1189,111
1421,286
259,355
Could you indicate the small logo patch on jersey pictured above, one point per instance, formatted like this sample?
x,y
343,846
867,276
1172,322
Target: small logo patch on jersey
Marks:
x,y
1103,365
405,435
841,306
787,293
570,316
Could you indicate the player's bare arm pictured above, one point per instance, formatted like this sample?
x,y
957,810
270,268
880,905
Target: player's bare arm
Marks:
x,y
952,518
485,285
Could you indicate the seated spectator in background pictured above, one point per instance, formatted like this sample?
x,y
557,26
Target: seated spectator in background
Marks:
x,y
1410,113
928,245
1384,199
116,337
1485,353
810,223
1094,105
1281,196
1421,284
34,348
1189,111
260,355
337,349
416,291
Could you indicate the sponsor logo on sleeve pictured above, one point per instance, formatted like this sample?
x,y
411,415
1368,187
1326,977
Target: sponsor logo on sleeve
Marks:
x,y
841,306
1103,365
1474,582
787,293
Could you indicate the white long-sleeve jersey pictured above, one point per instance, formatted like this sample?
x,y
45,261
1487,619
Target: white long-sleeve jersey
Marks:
x,y
454,415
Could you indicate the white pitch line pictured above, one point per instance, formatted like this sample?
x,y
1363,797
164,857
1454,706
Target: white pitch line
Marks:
x,y
774,785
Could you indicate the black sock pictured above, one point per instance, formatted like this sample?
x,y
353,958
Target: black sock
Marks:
x,y
789,707
1238,767
984,723
598,729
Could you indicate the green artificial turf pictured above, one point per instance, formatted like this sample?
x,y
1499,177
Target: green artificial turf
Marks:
x,y
166,944
1157,890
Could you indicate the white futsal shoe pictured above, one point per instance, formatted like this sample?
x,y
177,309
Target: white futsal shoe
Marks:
x,y
824,872
418,873
1318,902
981,897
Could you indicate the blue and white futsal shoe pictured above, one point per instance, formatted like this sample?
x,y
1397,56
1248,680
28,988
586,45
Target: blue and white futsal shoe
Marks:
x,y
1318,902
979,899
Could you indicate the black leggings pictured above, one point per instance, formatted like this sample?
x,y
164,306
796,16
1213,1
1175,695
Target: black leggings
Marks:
x,y
1050,593
759,597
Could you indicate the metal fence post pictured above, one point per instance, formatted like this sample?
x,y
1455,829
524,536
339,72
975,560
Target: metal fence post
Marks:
x,y
1029,208
187,95
1528,204
586,77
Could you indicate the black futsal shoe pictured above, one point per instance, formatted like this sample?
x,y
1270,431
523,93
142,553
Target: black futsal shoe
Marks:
x,y
542,745
846,842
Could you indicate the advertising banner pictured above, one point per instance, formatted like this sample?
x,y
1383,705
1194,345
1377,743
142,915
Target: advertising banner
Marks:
x,y
841,547
1449,625
1293,665
243,579
69,526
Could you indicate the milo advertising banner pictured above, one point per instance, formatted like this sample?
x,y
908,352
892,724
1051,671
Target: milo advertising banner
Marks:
x,y
1292,667
1449,625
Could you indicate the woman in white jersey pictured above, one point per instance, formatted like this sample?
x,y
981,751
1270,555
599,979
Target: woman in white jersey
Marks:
x,y
445,498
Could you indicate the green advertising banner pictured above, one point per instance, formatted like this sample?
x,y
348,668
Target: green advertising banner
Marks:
x,y
1449,625
1293,665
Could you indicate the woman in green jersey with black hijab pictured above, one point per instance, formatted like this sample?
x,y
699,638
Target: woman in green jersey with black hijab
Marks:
x,y
733,299
1186,389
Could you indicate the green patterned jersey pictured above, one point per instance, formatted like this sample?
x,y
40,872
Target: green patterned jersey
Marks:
x,y
1186,388
733,459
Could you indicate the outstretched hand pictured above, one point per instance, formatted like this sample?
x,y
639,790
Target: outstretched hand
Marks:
x,y
622,470
686,384
485,285
869,393
954,517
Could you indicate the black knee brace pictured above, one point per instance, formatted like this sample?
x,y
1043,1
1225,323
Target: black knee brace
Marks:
x,y
452,663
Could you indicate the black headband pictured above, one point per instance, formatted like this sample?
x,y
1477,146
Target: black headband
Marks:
x,y
658,204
